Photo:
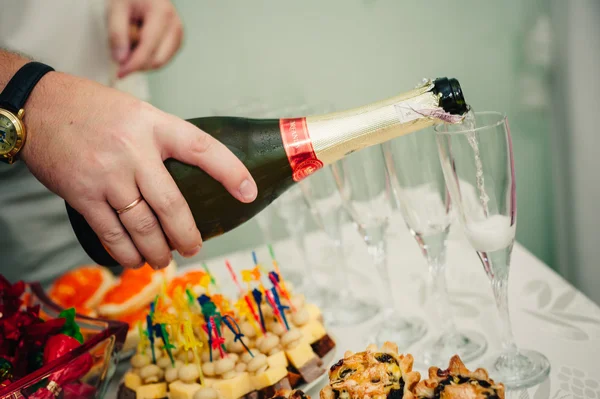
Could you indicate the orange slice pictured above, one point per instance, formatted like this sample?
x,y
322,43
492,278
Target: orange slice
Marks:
x,y
82,288
134,317
134,290
188,280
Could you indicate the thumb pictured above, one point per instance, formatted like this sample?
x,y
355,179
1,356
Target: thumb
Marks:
x,y
118,28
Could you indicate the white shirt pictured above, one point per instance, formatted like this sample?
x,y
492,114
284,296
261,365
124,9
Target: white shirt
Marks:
x,y
37,242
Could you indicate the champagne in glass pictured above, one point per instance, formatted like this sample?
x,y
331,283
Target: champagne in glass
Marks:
x,y
478,165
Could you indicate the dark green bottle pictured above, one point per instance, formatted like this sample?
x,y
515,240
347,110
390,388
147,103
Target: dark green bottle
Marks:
x,y
281,152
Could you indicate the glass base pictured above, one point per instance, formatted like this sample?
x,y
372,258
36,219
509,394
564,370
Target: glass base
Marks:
x,y
521,369
400,331
469,345
349,311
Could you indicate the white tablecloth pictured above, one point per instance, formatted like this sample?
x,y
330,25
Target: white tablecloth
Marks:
x,y
548,314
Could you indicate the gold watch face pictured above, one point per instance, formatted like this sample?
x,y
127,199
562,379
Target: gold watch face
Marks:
x,y
10,134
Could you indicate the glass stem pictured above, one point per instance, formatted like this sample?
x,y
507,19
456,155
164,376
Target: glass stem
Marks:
x,y
500,288
341,270
377,248
439,290
497,266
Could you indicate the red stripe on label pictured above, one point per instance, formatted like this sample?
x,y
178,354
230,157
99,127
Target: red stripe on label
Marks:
x,y
299,148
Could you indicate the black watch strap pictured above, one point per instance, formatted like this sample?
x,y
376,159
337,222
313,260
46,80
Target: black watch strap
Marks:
x,y
18,89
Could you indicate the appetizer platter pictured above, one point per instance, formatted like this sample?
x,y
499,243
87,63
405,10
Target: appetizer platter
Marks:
x,y
183,329
267,340
376,373
384,374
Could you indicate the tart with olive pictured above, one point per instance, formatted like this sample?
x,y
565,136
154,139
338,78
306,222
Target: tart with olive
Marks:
x,y
458,382
374,373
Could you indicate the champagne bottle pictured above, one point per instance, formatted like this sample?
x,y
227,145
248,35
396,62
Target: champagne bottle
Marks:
x,y
280,152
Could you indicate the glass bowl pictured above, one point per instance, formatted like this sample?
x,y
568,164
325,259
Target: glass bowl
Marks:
x,y
103,340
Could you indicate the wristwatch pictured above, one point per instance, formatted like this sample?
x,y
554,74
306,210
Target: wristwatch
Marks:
x,y
12,101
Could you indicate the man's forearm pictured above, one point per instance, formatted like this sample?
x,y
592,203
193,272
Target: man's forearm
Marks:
x,y
44,106
9,64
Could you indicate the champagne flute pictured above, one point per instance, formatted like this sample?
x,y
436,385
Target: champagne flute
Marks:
x,y
326,206
292,208
478,165
420,193
363,183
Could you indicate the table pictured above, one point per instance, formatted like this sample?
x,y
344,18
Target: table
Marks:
x,y
548,314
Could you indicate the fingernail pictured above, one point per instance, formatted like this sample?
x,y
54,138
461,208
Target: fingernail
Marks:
x,y
248,190
140,265
119,53
189,254
121,73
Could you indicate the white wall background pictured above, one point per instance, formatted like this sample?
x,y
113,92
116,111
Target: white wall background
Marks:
x,y
576,143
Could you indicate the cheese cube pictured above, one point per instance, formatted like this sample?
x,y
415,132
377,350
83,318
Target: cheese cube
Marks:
x,y
182,390
234,388
313,311
151,391
270,377
132,380
313,331
277,360
300,355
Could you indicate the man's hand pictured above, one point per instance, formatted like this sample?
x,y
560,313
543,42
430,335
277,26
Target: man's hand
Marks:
x,y
160,34
101,149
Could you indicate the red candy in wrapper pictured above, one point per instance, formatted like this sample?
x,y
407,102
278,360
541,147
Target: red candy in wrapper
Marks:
x,y
57,345
71,372
78,390
10,297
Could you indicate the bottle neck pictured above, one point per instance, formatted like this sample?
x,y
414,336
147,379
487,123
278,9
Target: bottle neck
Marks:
x,y
315,141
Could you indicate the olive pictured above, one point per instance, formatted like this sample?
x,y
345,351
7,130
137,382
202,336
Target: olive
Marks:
x,y
384,358
395,394
338,364
346,372
485,384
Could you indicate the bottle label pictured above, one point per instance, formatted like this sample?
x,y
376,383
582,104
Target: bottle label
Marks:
x,y
299,148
